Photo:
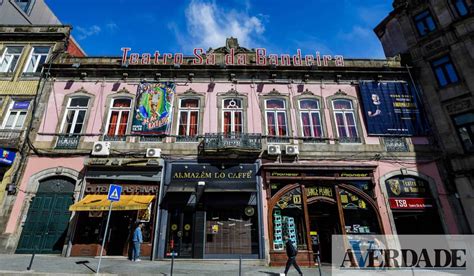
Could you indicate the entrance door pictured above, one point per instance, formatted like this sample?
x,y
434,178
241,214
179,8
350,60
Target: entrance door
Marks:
x,y
324,221
180,233
120,231
47,221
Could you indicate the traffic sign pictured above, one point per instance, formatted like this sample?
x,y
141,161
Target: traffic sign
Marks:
x,y
114,192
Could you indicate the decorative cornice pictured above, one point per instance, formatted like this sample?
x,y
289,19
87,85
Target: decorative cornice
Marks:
x,y
274,92
340,93
307,92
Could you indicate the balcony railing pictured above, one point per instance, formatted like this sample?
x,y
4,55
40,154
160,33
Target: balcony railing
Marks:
x,y
113,138
10,137
68,141
349,140
239,141
395,144
187,139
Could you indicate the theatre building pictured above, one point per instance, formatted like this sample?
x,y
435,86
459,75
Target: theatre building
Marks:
x,y
211,210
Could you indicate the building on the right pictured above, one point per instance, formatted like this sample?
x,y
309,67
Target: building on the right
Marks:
x,y
435,39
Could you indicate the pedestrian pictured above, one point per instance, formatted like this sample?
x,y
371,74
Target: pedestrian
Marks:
x,y
291,252
137,241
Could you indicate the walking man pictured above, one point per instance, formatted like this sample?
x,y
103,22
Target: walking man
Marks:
x,y
291,252
137,241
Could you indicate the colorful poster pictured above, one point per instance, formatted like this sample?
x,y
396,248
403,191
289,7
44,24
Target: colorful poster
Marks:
x,y
7,157
392,109
153,108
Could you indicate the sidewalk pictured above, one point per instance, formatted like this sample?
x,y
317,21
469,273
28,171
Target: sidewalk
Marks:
x,y
53,264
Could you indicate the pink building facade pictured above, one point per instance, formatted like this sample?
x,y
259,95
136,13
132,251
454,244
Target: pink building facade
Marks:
x,y
264,152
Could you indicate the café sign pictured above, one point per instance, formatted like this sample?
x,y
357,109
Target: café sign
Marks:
x,y
262,58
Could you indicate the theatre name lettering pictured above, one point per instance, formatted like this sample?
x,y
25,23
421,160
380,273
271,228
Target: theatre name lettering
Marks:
x,y
262,58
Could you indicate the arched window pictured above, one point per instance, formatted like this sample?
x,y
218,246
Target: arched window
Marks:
x,y
310,118
232,116
73,121
275,114
188,117
346,125
117,119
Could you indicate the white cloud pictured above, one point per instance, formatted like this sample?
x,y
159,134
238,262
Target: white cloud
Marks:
x,y
86,32
209,25
112,27
357,33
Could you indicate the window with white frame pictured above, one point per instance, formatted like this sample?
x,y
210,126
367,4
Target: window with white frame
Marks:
x,y
346,125
10,58
232,119
75,116
275,114
188,117
39,55
118,117
310,117
16,115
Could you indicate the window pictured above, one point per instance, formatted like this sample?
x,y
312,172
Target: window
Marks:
x,y
465,127
37,59
75,115
118,117
25,5
444,71
424,23
275,114
233,116
310,118
461,7
10,59
16,115
345,121
188,117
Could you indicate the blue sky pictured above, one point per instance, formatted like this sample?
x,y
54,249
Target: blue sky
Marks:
x,y
344,27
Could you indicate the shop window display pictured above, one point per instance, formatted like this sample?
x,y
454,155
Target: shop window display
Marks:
x,y
288,220
359,217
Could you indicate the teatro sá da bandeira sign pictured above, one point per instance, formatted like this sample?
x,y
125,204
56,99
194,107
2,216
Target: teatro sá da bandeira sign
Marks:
x,y
262,58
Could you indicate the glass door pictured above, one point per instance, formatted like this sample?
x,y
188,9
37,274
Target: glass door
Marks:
x,y
180,233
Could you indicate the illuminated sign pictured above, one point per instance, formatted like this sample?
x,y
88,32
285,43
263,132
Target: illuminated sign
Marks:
x,y
262,58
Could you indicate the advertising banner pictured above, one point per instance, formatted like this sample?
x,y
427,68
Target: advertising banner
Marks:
x,y
391,109
153,108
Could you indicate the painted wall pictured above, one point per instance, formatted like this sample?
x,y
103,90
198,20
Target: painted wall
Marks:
x,y
34,166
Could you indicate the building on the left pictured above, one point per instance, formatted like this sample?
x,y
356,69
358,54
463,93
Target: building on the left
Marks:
x,y
30,37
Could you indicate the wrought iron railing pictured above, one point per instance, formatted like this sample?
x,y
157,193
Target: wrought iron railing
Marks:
x,y
241,141
395,144
10,137
67,141
114,138
348,140
187,139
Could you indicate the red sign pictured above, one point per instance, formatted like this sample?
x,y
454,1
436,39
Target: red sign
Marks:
x,y
410,203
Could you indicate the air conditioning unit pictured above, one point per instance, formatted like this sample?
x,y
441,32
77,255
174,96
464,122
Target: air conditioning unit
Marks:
x,y
292,150
101,149
153,153
273,149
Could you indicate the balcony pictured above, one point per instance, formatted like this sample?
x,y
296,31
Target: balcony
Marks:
x,y
67,142
10,138
349,140
251,142
114,138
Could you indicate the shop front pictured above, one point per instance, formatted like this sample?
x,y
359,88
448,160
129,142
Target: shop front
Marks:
x,y
309,204
413,206
211,211
140,188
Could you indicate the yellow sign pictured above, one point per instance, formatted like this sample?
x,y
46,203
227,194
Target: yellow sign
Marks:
x,y
313,233
215,228
174,227
319,191
187,227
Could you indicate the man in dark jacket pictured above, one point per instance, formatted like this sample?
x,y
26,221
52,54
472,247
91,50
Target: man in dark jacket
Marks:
x,y
291,252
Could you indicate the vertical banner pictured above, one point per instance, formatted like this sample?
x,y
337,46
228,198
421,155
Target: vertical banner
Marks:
x,y
153,108
392,108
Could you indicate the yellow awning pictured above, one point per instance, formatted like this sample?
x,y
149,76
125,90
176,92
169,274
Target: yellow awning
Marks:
x,y
100,203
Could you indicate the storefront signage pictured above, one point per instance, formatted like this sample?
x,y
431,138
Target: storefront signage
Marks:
x,y
153,108
352,174
319,191
262,58
7,157
410,203
391,108
127,189
285,174
194,173
407,187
